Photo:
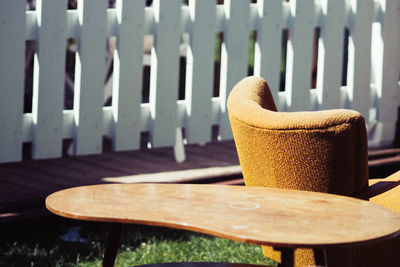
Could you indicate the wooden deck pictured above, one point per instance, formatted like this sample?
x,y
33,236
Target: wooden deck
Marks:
x,y
25,185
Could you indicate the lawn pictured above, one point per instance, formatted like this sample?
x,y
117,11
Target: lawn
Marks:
x,y
38,242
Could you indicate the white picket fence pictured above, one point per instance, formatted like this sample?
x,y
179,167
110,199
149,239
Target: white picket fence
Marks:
x,y
373,68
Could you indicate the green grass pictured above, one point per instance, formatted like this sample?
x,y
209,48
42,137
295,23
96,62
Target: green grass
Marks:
x,y
38,243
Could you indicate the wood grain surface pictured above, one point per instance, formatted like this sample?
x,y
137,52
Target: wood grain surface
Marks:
x,y
259,215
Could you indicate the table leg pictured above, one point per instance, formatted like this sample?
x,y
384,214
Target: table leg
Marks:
x,y
287,257
320,257
112,245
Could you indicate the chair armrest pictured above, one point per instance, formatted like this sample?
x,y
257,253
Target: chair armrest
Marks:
x,y
379,186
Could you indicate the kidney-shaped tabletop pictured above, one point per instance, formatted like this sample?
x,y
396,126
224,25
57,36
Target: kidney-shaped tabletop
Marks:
x,y
258,215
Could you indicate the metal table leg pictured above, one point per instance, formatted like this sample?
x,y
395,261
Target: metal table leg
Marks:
x,y
287,255
112,245
320,257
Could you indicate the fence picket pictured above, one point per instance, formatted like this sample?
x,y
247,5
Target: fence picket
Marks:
x,y
200,71
164,72
267,57
234,55
330,51
359,66
89,77
299,55
12,52
127,86
48,88
386,69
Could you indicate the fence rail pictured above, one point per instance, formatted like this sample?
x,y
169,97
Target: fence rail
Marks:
x,y
357,66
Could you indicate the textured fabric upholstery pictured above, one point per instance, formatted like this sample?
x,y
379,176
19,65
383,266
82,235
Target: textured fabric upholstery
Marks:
x,y
388,198
324,151
384,253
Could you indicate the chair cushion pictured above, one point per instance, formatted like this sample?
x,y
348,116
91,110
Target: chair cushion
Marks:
x,y
384,253
390,198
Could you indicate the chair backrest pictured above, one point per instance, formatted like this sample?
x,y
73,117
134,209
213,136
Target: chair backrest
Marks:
x,y
323,151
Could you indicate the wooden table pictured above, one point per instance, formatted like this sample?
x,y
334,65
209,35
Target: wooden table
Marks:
x,y
285,219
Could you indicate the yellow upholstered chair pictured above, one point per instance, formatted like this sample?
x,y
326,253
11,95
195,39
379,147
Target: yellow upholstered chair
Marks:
x,y
324,151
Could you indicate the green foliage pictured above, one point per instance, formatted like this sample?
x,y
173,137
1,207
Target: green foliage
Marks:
x,y
38,243
252,41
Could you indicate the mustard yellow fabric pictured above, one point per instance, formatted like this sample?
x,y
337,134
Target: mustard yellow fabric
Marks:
x,y
324,151
385,253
